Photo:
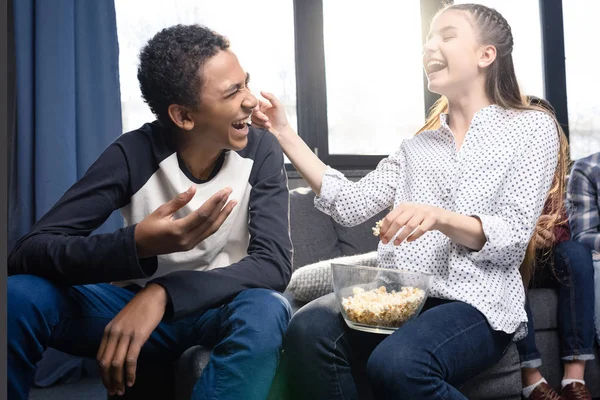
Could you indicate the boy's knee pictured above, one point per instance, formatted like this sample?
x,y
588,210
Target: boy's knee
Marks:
x,y
262,310
29,296
25,290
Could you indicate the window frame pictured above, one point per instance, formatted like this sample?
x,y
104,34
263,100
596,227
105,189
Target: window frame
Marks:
x,y
311,76
554,60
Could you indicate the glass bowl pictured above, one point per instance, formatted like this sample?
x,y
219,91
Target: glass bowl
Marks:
x,y
378,300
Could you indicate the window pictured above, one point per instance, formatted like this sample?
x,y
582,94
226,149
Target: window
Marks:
x,y
374,74
523,16
579,17
353,69
270,62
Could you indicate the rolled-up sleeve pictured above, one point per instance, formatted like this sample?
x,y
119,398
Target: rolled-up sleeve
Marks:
x,y
521,198
351,203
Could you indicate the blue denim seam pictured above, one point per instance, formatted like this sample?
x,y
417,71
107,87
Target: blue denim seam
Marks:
x,y
576,353
572,301
219,385
597,324
228,321
335,373
595,267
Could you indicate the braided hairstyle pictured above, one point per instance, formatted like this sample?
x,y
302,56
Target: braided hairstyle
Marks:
x,y
491,28
502,88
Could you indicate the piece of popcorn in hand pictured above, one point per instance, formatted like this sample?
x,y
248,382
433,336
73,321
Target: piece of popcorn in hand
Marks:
x,y
376,229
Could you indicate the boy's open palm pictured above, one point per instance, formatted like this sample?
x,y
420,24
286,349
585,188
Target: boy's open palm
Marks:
x,y
159,233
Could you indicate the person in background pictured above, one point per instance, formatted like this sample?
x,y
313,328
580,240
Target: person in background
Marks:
x,y
567,266
583,200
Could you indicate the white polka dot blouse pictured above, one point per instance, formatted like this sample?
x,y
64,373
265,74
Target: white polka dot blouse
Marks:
x,y
501,174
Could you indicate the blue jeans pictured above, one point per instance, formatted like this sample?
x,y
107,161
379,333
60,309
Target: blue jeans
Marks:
x,y
246,334
596,256
574,276
427,358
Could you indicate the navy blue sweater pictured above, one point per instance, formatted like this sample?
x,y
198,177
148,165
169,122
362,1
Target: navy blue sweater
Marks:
x,y
136,174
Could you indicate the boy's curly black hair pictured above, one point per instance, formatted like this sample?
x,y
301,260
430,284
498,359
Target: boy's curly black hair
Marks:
x,y
170,63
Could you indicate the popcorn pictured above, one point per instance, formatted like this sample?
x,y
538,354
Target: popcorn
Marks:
x,y
378,307
376,231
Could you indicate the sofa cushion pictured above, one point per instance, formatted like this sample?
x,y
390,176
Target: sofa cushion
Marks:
x,y
294,304
548,344
313,235
544,308
313,281
188,369
501,381
358,239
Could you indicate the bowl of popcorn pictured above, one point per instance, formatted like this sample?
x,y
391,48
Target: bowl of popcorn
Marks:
x,y
378,300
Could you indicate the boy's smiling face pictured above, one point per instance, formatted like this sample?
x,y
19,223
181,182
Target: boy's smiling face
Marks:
x,y
225,104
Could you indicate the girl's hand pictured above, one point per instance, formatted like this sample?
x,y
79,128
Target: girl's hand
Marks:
x,y
412,220
270,115
544,238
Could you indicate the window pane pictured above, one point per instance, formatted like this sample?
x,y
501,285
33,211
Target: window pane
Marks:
x,y
273,71
580,16
523,16
374,74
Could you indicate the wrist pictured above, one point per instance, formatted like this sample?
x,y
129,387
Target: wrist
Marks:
x,y
444,220
138,238
286,135
157,293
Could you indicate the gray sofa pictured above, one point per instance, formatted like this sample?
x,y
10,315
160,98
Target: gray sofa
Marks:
x,y
316,237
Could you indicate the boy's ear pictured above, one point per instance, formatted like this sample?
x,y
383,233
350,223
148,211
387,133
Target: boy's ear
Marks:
x,y
181,117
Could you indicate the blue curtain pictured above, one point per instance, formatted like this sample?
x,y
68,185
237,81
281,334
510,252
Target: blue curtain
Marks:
x,y
68,110
68,102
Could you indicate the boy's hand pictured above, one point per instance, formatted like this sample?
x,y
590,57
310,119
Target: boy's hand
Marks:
x,y
159,233
271,115
125,335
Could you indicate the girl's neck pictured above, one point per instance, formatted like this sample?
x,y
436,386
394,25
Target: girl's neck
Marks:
x,y
462,109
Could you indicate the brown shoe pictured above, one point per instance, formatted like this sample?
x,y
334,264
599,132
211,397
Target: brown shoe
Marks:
x,y
544,392
576,391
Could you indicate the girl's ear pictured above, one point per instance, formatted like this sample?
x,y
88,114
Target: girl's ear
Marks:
x,y
487,56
